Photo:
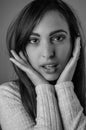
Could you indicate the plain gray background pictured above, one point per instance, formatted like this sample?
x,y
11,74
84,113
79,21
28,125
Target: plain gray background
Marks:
x,y
8,10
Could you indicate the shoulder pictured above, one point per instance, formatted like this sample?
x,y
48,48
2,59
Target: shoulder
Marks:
x,y
10,90
12,112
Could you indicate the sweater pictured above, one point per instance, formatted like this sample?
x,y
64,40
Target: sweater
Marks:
x,y
50,112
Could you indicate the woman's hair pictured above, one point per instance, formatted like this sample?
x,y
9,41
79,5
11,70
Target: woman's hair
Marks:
x,y
17,39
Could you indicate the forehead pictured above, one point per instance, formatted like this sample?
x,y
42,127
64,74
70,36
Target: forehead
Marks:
x,y
52,20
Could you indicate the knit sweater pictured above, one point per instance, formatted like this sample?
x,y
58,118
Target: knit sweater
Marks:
x,y
13,115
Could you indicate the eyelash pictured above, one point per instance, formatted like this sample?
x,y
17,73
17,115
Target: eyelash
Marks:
x,y
53,39
58,38
34,40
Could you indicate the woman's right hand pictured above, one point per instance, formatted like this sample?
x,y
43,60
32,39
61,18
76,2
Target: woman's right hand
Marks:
x,y
21,62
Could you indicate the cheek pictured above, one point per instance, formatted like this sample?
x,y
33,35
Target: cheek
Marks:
x,y
32,56
64,53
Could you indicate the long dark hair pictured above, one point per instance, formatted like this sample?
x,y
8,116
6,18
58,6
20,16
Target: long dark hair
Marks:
x,y
17,39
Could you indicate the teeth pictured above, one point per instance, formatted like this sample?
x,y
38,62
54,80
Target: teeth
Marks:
x,y
49,66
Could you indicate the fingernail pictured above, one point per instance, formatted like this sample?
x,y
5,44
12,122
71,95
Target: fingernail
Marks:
x,y
10,59
11,51
78,35
78,40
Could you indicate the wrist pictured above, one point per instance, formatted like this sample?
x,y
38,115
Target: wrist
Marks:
x,y
64,84
45,87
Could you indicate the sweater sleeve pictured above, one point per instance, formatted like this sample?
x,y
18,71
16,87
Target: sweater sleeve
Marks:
x,y
14,117
70,108
47,110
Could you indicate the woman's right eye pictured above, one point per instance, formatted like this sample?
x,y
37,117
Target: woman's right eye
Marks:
x,y
33,40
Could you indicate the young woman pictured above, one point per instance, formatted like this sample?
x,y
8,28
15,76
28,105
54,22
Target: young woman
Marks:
x,y
46,46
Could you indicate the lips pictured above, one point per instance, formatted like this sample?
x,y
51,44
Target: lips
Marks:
x,y
50,68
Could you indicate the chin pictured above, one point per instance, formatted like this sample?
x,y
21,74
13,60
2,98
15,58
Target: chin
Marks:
x,y
52,78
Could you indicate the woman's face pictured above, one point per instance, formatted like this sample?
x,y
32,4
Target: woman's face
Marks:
x,y
49,47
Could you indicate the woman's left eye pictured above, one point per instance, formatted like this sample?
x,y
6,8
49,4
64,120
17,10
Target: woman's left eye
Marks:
x,y
58,38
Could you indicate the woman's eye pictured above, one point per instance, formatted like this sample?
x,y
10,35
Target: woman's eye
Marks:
x,y
58,38
33,40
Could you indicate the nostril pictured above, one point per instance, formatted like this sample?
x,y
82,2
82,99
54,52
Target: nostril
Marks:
x,y
52,54
49,54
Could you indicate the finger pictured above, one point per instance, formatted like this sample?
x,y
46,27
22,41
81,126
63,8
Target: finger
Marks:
x,y
18,64
22,55
76,51
33,75
16,56
73,61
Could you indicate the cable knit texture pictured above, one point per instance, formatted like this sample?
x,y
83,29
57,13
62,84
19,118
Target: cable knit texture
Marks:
x,y
14,117
70,108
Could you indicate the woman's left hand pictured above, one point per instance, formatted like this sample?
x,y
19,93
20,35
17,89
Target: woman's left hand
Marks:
x,y
69,70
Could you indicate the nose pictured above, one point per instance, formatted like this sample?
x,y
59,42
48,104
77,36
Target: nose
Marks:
x,y
48,51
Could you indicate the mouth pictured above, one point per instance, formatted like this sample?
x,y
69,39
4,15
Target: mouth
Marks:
x,y
50,68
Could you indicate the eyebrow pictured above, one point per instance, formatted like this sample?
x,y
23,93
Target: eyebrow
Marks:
x,y
52,33
58,31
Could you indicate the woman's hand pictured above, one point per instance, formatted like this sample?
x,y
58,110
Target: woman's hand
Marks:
x,y
69,70
21,62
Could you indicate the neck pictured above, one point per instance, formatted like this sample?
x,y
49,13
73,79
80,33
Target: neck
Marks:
x,y
53,82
